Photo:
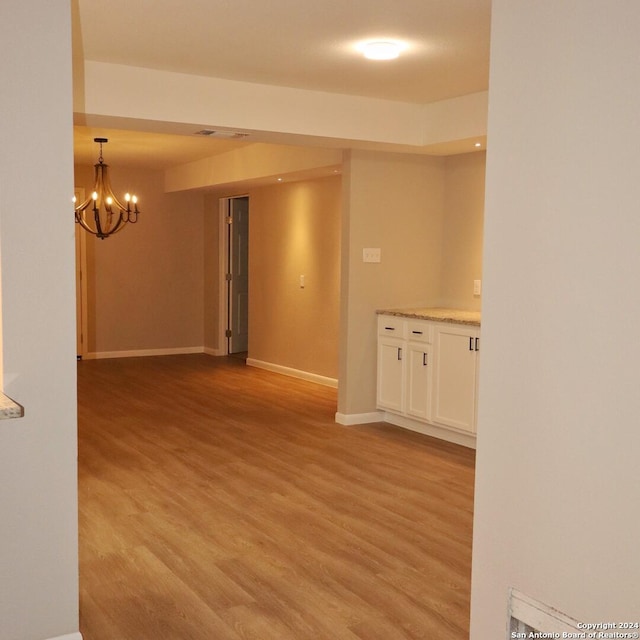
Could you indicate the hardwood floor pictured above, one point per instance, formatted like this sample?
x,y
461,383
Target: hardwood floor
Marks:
x,y
222,502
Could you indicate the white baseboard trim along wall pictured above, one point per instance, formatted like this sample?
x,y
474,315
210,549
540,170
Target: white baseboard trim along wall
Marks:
x,y
359,418
213,352
138,353
70,636
349,419
442,433
294,373
260,364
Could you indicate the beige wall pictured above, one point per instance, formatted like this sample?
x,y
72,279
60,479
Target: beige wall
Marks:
x,y
38,453
146,283
424,213
395,202
294,231
462,230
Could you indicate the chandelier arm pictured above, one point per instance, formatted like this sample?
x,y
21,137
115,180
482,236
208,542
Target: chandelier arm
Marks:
x,y
122,223
85,204
102,234
84,225
96,219
119,225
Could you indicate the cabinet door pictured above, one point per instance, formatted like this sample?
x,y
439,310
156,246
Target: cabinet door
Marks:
x,y
391,374
454,403
419,367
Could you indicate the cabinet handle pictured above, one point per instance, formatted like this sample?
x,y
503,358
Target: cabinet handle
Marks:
x,y
399,353
470,344
477,343
424,359
418,333
389,328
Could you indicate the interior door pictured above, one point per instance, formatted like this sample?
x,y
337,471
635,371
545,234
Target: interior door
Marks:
x,y
239,275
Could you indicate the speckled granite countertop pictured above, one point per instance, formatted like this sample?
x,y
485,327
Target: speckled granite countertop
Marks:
x,y
455,316
9,408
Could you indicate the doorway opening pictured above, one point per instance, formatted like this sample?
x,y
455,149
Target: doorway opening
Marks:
x,y
234,286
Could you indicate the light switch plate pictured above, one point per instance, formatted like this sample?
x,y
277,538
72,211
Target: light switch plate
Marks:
x,y
371,255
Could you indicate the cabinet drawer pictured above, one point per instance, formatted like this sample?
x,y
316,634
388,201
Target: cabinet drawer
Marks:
x,y
419,331
391,326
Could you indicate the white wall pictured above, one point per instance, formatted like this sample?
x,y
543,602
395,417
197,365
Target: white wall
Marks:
x,y
558,434
297,115
38,506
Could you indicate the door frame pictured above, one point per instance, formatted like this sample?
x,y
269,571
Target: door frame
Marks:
x,y
223,262
82,315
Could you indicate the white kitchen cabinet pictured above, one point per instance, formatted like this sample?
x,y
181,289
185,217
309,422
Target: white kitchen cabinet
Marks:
x,y
391,374
456,376
404,366
418,387
428,375
391,363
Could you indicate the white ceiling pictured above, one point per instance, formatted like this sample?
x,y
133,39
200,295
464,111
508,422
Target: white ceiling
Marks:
x,y
293,43
137,149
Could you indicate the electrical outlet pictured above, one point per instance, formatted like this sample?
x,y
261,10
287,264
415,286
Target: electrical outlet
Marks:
x,y
371,255
477,287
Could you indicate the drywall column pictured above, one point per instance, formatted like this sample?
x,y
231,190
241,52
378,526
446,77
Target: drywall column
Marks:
x,y
394,202
38,474
557,497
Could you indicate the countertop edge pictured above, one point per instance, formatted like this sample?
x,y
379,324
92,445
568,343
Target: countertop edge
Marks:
x,y
451,316
9,408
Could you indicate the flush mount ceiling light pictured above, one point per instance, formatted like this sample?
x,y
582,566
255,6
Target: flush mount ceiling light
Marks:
x,y
102,214
381,49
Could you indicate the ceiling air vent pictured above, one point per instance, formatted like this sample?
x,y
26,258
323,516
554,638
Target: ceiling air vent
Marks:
x,y
229,135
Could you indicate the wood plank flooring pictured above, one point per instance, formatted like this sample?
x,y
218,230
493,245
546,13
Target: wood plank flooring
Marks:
x,y
222,502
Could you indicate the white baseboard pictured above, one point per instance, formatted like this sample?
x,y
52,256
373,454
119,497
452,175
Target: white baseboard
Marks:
x,y
214,352
294,373
442,433
137,353
70,636
349,419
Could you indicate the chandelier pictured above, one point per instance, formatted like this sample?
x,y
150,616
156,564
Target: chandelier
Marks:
x,y
102,214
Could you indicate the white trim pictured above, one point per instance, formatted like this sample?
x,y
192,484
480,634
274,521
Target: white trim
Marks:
x,y
224,205
539,616
70,636
294,373
81,266
223,260
137,353
428,429
349,419
214,352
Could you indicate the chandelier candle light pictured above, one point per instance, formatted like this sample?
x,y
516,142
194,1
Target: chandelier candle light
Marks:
x,y
102,214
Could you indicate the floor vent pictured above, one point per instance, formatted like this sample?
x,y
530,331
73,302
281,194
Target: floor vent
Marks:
x,y
528,618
